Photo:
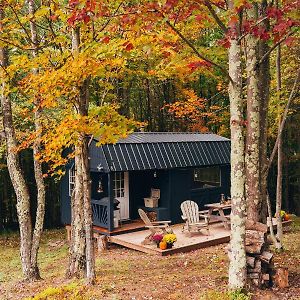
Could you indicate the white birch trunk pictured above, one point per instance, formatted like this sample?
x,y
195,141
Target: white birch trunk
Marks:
x,y
38,172
14,168
237,254
253,125
82,247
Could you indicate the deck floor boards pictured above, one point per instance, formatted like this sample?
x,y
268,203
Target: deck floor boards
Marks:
x,y
218,234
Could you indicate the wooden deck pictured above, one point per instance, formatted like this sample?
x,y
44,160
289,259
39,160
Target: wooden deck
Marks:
x,y
185,243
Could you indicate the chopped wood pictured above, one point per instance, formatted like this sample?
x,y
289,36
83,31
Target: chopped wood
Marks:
x,y
256,282
251,225
255,234
266,256
250,261
266,277
254,275
256,268
281,278
255,248
250,241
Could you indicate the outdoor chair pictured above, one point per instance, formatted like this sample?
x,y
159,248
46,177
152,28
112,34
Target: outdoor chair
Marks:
x,y
154,227
192,217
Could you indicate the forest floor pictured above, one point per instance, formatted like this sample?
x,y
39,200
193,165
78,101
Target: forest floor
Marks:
x,y
128,274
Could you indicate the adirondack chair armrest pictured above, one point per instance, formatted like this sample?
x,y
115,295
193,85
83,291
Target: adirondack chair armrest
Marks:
x,y
204,215
156,226
160,222
199,224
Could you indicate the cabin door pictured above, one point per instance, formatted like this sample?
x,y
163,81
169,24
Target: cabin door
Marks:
x,y
121,192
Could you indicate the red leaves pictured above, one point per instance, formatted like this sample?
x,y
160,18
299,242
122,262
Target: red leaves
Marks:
x,y
196,64
273,12
261,32
128,46
224,43
105,40
81,12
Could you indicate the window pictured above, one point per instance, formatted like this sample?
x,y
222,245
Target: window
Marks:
x,y
71,180
206,177
118,185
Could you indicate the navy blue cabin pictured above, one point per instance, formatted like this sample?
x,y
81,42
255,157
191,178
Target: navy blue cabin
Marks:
x,y
180,165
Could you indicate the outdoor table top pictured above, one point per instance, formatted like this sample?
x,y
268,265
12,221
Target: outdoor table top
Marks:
x,y
218,205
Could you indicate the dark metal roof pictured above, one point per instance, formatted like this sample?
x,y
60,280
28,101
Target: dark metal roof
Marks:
x,y
144,151
170,137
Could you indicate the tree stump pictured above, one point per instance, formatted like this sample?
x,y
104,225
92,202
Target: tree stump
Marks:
x,y
68,228
102,243
281,278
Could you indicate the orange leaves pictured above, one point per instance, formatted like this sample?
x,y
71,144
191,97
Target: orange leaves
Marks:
x,y
195,113
103,122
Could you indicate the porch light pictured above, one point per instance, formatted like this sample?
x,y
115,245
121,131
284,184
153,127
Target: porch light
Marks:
x,y
100,186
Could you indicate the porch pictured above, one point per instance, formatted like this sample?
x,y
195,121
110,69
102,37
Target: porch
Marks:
x,y
133,240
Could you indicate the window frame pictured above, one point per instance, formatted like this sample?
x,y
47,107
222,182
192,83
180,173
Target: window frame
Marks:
x,y
119,185
71,180
207,187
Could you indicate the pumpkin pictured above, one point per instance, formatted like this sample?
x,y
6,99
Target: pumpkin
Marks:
x,y
163,245
286,217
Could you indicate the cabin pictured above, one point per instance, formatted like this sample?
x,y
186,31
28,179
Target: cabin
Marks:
x,y
155,171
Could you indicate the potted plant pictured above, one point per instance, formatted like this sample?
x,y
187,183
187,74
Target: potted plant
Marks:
x,y
157,238
170,239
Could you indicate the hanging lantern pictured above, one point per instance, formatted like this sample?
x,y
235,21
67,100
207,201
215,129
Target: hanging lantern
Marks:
x,y
100,186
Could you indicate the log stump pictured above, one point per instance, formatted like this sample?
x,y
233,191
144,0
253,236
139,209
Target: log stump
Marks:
x,y
281,278
102,242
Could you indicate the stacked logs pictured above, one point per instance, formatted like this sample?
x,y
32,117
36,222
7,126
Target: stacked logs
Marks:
x,y
259,260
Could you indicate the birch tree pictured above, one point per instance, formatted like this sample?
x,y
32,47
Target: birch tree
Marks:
x,y
14,167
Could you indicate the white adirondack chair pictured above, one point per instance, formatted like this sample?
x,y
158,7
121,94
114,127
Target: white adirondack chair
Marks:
x,y
154,227
194,219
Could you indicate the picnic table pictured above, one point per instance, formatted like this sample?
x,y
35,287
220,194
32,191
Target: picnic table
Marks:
x,y
219,208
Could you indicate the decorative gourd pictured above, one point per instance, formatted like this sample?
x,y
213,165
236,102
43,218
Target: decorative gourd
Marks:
x,y
287,217
163,245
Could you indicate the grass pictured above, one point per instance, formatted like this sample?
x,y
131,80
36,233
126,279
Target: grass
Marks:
x,y
127,274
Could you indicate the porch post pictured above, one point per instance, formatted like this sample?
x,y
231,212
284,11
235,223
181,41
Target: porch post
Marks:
x,y
110,205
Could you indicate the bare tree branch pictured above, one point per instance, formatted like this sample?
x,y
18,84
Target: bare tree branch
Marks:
x,y
200,55
274,47
284,117
215,16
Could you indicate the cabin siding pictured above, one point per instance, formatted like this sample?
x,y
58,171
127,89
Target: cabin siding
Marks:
x,y
65,205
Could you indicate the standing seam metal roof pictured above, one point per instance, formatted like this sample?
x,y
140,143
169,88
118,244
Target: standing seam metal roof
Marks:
x,y
144,151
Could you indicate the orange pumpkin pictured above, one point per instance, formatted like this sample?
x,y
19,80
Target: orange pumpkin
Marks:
x,y
287,217
163,245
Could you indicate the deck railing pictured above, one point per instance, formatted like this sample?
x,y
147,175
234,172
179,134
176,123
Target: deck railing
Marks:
x,y
100,216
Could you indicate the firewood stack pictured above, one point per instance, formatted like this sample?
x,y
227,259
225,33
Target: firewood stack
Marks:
x,y
259,260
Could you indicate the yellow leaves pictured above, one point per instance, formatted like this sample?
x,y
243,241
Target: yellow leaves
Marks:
x,y
104,123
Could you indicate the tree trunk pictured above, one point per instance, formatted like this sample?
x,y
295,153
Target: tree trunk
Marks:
x,y
279,154
14,168
237,254
82,248
38,172
76,266
253,129
264,95
88,216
